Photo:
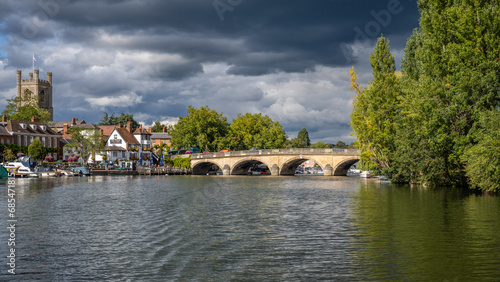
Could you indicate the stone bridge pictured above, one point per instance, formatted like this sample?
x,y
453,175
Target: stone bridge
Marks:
x,y
279,161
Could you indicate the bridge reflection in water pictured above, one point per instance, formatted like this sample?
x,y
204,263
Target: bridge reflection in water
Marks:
x,y
279,161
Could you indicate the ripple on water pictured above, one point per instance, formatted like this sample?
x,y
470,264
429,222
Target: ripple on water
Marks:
x,y
258,228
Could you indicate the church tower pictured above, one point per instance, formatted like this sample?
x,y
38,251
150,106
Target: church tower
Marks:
x,y
38,87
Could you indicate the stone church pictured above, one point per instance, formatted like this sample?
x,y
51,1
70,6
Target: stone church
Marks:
x,y
37,86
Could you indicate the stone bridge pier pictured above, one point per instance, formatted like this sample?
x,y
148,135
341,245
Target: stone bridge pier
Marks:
x,y
279,161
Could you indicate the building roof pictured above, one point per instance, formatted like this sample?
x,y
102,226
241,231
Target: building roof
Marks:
x,y
160,136
60,123
3,131
16,126
65,141
87,126
141,130
107,129
127,136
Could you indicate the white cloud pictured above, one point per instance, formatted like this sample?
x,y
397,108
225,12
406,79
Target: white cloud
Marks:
x,y
122,101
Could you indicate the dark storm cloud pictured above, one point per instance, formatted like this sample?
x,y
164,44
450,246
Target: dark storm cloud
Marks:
x,y
286,59
305,33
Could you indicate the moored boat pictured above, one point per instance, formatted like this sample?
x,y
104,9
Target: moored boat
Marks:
x,y
3,172
365,174
47,172
22,167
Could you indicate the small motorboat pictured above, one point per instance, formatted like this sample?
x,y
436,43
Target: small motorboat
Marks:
x,y
22,167
47,172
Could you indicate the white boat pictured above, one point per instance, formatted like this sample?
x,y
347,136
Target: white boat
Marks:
x,y
365,174
65,172
22,167
27,171
47,172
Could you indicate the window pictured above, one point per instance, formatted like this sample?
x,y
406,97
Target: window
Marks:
x,y
23,125
43,141
115,136
18,140
43,127
42,96
115,154
25,140
50,143
33,126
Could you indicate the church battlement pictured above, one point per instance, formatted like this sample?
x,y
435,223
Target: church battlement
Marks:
x,y
31,80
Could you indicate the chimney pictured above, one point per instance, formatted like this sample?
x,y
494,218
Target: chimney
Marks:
x,y
140,126
34,119
120,125
164,129
4,118
149,129
65,128
73,121
129,126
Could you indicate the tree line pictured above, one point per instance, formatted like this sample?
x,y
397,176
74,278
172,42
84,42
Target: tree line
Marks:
x,y
209,130
437,122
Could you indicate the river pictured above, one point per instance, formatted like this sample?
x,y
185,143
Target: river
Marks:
x,y
256,228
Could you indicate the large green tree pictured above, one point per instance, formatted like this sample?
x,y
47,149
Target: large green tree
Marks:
x,y
157,127
304,135
255,130
296,143
482,160
36,150
450,77
375,109
321,145
116,120
86,142
25,107
202,128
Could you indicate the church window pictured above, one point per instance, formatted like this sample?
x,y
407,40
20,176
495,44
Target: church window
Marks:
x,y
42,96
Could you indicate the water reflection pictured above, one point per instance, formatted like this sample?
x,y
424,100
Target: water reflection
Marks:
x,y
425,234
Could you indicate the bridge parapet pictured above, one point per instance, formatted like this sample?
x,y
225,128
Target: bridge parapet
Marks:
x,y
297,151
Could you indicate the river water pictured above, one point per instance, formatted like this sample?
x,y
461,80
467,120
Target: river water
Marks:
x,y
254,228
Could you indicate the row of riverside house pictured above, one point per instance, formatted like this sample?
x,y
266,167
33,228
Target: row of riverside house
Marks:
x,y
22,133
123,145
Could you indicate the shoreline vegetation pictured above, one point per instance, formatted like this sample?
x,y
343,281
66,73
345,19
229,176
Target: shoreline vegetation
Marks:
x,y
437,122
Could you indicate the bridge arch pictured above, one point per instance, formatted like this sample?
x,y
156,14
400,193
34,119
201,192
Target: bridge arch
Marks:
x,y
242,166
290,165
279,161
202,168
342,167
